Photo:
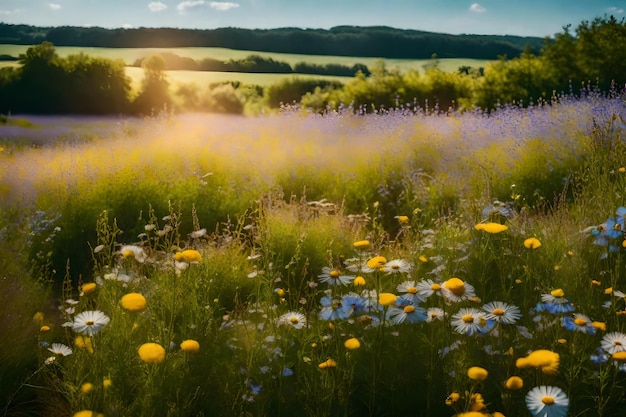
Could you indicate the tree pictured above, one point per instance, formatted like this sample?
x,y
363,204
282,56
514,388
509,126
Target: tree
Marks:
x,y
154,94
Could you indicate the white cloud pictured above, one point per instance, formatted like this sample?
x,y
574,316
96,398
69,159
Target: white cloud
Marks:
x,y
615,10
157,6
190,4
127,26
223,5
477,8
54,6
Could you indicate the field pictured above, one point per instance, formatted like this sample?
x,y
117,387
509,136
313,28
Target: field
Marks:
x,y
391,264
129,55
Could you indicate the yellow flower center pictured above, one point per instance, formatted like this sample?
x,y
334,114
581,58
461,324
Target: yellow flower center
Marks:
x,y
579,321
334,273
395,266
498,312
435,287
89,322
558,293
128,253
411,290
294,320
468,318
547,400
409,309
617,343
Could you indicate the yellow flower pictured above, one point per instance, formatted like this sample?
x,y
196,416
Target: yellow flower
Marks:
x,y
608,291
543,359
596,283
558,293
491,227
619,356
133,301
387,298
44,329
83,342
362,244
106,383
190,346
359,281
352,343
477,402
599,325
86,388
477,373
456,286
152,353
377,262
88,288
403,219
452,398
328,364
280,292
622,169
87,413
514,383
562,341
423,259
38,317
497,414
532,243
189,256
470,414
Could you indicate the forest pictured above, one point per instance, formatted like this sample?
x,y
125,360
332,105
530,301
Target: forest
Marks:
x,y
591,56
378,41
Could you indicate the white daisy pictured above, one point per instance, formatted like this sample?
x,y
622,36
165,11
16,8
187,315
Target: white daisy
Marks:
x,y
332,276
397,266
292,318
60,349
409,291
428,287
456,290
502,312
90,322
613,342
434,313
134,251
470,321
547,401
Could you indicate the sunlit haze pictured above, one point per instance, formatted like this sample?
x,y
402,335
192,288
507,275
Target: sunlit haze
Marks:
x,y
524,18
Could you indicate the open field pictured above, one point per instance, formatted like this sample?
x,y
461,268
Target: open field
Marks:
x,y
392,264
129,55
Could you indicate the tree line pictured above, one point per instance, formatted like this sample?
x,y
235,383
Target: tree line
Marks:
x,y
590,56
256,64
375,41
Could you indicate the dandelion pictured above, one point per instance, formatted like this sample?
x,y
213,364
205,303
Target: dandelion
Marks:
x,y
87,413
135,252
397,266
90,322
352,343
83,342
532,243
86,388
329,363
477,402
422,259
455,289
547,401
151,353
106,383
543,359
332,276
359,281
190,346
514,383
44,329
88,288
133,302
292,319
452,398
402,219
613,342
387,299
491,227
38,317
362,244
502,312
476,373
189,256
60,349
470,321
376,262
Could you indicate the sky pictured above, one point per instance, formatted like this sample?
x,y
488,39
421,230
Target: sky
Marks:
x,y
486,17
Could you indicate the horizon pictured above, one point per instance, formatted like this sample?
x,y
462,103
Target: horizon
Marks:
x,y
532,18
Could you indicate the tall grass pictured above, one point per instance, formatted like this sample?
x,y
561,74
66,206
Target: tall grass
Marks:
x,y
218,239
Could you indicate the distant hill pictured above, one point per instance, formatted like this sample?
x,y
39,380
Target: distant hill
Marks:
x,y
370,41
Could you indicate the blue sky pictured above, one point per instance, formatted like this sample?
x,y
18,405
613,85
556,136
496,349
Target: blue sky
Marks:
x,y
514,17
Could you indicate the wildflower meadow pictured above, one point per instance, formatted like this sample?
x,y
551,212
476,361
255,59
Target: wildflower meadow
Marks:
x,y
398,263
